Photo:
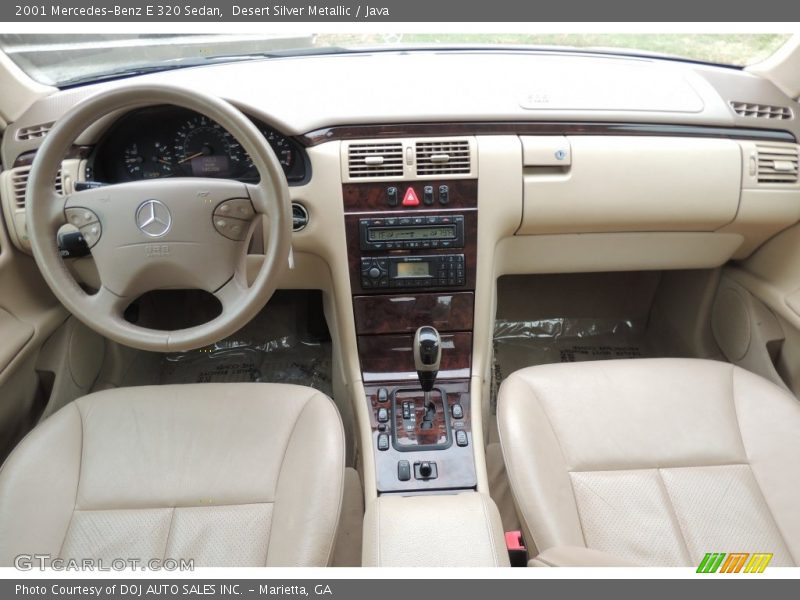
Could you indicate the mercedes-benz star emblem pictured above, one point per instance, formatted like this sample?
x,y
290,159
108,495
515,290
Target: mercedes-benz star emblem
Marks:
x,y
153,218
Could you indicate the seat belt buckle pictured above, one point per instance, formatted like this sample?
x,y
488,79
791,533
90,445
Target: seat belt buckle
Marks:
x,y
517,552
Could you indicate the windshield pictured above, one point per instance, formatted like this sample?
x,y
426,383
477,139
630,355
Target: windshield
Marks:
x,y
72,59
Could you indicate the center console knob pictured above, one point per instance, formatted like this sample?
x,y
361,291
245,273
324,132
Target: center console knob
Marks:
x,y
374,272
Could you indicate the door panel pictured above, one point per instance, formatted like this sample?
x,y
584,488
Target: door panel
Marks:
x,y
29,314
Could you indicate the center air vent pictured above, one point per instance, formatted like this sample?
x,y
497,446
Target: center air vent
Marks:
x,y
776,163
443,157
34,132
19,183
375,160
762,111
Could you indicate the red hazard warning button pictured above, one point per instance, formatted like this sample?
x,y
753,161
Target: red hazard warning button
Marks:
x,y
410,199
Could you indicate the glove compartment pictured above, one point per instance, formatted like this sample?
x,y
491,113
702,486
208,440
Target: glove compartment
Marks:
x,y
596,184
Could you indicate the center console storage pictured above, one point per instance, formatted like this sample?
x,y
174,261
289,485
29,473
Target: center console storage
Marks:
x,y
412,247
446,530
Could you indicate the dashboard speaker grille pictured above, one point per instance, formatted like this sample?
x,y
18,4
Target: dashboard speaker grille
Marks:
x,y
762,111
443,157
19,183
375,160
777,163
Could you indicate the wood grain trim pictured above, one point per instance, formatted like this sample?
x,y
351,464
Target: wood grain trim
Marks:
x,y
390,357
371,196
349,132
455,464
26,159
404,313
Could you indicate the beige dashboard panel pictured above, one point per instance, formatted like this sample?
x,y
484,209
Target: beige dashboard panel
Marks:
x,y
770,199
628,183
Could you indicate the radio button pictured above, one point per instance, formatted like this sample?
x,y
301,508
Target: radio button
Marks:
x,y
374,272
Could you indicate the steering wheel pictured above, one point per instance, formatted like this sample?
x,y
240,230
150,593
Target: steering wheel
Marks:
x,y
178,233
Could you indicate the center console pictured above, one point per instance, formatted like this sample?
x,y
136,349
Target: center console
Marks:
x,y
412,258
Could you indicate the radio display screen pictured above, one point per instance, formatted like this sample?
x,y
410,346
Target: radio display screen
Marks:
x,y
413,269
394,234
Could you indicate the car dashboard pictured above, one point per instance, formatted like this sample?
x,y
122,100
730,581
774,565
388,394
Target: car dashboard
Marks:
x,y
421,178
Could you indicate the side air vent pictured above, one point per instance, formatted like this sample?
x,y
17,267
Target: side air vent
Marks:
x,y
762,111
299,217
776,163
375,160
34,131
443,157
19,182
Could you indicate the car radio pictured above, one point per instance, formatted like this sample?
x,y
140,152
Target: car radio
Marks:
x,y
412,233
437,270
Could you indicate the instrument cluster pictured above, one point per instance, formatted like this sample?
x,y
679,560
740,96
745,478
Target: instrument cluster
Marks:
x,y
158,142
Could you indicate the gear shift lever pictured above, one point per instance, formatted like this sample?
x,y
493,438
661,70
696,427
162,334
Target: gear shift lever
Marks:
x,y
427,355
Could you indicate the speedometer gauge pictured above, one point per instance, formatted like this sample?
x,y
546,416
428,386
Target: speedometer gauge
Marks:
x,y
204,149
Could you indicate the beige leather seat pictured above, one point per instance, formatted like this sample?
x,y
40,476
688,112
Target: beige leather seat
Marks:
x,y
654,462
225,474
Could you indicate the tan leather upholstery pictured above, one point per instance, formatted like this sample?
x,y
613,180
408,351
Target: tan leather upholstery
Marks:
x,y
449,530
654,461
225,474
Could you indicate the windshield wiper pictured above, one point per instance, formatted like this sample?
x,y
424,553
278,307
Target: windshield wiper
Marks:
x,y
185,63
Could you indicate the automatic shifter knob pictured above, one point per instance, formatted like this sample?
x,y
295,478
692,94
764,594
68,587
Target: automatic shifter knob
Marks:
x,y
427,355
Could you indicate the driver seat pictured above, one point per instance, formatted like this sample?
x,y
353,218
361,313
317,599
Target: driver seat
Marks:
x,y
245,474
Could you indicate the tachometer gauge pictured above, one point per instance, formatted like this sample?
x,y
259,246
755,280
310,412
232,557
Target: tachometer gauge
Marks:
x,y
148,160
204,149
